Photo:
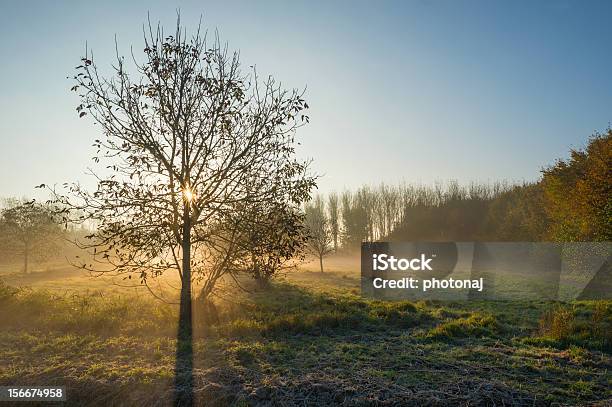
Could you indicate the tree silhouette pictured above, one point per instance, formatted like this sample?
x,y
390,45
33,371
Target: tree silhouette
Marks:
x,y
30,229
334,221
320,238
189,140
273,237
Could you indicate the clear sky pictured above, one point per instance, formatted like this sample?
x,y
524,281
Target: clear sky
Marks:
x,y
408,90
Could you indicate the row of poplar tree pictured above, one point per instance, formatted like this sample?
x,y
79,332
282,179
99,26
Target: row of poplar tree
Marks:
x,y
572,201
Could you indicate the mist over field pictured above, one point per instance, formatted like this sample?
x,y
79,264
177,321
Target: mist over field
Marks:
x,y
307,337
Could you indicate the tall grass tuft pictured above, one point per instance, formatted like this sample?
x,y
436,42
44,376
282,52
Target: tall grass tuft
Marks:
x,y
586,324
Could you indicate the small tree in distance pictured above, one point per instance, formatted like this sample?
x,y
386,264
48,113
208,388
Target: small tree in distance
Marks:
x,y
29,229
320,238
273,239
334,221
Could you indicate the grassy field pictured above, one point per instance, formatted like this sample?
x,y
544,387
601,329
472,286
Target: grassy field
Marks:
x,y
310,339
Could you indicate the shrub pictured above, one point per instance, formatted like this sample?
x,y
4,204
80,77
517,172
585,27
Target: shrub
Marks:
x,y
557,323
476,325
588,325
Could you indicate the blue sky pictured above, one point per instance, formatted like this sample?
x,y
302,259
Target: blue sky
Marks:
x,y
417,91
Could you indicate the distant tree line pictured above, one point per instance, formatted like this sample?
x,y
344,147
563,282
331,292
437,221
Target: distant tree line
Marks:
x,y
572,201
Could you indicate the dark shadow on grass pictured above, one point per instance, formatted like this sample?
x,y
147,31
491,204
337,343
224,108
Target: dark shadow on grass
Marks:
x,y
183,371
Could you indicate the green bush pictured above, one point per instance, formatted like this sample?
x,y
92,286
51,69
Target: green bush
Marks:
x,y
476,325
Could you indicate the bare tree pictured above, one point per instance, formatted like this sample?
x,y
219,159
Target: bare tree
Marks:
x,y
334,222
354,219
388,208
319,231
189,139
29,229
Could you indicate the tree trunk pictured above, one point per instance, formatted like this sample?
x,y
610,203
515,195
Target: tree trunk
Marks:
x,y
321,262
185,314
183,382
26,258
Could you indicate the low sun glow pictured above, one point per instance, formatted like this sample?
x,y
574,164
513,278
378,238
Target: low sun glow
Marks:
x,y
188,194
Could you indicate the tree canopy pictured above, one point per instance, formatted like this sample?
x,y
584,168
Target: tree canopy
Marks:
x,y
29,229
